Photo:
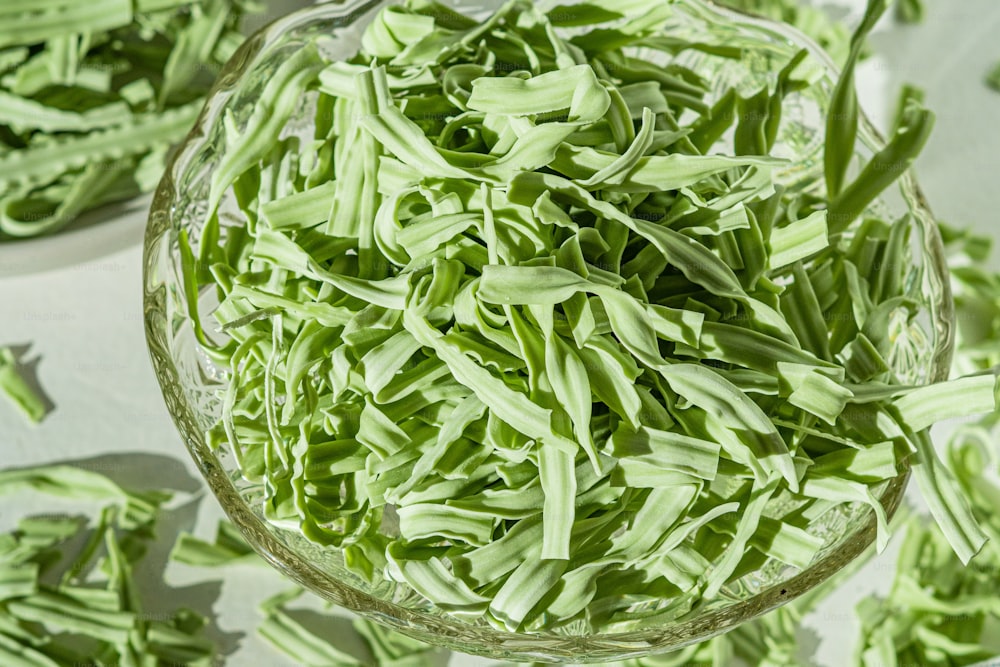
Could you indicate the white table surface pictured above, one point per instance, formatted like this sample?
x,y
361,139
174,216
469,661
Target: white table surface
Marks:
x,y
83,324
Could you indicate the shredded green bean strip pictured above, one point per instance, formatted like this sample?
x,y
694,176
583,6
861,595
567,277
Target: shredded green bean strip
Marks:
x,y
17,390
993,78
910,11
376,644
229,548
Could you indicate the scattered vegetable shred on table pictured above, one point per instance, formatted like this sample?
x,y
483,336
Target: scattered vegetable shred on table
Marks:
x,y
512,331
17,389
92,96
67,591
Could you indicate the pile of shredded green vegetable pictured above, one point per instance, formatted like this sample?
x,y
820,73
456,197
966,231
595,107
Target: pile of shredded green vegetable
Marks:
x,y
67,592
930,618
529,326
92,96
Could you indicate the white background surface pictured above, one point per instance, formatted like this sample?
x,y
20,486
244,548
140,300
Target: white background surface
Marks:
x,y
83,324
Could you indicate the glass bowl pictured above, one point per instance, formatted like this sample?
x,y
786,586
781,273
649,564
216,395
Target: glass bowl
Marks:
x,y
190,379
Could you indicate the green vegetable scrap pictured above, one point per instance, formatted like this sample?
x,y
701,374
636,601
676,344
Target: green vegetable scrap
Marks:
x,y
993,78
910,11
519,330
67,592
229,548
93,95
17,390
379,645
910,96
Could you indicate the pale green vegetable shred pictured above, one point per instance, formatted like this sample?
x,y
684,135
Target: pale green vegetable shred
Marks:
x,y
993,78
377,645
910,11
18,390
229,548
